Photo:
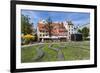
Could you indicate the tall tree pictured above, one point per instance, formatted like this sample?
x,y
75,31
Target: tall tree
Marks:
x,y
26,26
85,32
48,26
79,31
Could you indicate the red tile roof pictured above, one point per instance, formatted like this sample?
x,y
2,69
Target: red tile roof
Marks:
x,y
58,28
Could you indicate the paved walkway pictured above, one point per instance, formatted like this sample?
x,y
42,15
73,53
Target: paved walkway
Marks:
x,y
31,45
40,53
60,55
39,43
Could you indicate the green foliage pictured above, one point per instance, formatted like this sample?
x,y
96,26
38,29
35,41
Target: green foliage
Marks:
x,y
84,32
79,30
26,26
28,38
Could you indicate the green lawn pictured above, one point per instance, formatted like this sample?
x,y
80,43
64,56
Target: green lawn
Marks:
x,y
28,53
68,50
50,55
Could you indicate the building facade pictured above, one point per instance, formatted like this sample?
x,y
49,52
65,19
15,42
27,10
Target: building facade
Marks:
x,y
59,31
70,27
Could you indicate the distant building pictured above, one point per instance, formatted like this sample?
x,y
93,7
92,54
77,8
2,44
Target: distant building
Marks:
x,y
76,37
70,27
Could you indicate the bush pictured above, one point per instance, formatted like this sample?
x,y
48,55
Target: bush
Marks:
x,y
27,39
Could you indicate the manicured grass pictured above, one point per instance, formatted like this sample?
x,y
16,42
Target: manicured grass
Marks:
x,y
70,50
77,51
50,55
28,53
72,53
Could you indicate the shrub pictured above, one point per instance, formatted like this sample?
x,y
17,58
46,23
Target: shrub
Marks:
x,y
27,39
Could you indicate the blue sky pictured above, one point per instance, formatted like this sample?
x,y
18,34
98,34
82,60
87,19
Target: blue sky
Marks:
x,y
78,18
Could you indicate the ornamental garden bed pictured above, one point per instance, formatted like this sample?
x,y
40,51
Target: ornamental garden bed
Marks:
x,y
47,52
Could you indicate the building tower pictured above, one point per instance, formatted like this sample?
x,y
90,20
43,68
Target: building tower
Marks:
x,y
70,27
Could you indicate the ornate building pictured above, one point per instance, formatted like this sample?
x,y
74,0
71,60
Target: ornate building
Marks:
x,y
59,31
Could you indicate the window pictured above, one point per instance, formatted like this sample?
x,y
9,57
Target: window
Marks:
x,y
43,35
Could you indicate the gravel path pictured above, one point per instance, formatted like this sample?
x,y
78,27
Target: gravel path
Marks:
x,y
40,53
60,55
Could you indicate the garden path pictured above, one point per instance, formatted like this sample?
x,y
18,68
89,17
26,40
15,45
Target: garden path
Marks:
x,y
60,55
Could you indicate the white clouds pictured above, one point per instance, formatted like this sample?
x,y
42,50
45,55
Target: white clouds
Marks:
x,y
76,17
